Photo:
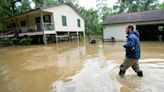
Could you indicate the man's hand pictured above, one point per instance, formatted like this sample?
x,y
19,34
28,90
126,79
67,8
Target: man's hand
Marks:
x,y
133,48
124,46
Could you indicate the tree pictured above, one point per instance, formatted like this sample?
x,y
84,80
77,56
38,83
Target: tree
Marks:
x,y
92,20
102,7
124,6
43,3
161,6
25,6
8,7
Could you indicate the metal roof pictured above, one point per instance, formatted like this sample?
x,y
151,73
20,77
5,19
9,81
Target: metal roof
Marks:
x,y
69,4
145,16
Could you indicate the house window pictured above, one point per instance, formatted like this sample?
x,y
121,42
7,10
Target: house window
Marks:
x,y
23,23
37,20
78,23
47,18
64,21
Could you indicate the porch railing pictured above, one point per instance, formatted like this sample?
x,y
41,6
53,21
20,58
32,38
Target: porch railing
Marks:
x,y
47,26
7,32
28,29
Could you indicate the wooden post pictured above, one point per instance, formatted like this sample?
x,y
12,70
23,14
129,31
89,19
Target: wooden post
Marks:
x,y
53,38
42,27
2,32
68,35
84,36
45,39
77,33
27,22
56,38
16,29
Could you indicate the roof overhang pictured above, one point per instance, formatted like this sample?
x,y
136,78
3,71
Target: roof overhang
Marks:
x,y
39,9
146,16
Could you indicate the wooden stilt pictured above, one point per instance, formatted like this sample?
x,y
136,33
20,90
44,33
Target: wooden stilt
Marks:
x,y
56,38
45,39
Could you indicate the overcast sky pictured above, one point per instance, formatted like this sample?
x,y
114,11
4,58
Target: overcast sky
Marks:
x,y
92,3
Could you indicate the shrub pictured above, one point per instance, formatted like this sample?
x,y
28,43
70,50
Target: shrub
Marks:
x,y
2,39
15,41
25,41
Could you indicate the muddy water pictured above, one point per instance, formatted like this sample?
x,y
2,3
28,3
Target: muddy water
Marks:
x,y
79,67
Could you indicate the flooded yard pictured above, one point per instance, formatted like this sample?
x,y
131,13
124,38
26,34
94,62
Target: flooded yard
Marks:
x,y
79,67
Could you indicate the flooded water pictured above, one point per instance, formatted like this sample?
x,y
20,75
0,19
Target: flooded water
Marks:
x,y
79,67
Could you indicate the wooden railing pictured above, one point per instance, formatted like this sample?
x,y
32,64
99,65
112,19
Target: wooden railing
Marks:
x,y
47,26
28,29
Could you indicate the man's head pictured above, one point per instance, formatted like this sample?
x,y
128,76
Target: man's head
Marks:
x,y
129,29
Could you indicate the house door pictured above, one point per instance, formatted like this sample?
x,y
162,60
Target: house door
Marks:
x,y
38,25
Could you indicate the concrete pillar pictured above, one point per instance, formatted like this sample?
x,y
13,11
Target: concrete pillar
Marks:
x,y
77,33
45,39
84,37
53,38
68,35
42,27
56,37
84,34
27,17
41,21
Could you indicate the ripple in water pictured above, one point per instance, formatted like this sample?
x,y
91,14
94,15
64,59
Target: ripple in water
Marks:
x,y
103,77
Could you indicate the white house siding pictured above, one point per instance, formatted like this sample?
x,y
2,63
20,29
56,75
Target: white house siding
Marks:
x,y
71,16
116,30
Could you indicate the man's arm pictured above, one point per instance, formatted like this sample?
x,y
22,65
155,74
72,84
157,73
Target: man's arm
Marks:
x,y
130,44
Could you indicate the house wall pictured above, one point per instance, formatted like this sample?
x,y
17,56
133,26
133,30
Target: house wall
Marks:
x,y
71,16
116,30
30,20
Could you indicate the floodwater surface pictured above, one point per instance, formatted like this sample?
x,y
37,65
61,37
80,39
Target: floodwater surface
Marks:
x,y
79,67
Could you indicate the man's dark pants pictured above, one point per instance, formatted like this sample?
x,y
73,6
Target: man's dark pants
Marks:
x,y
129,62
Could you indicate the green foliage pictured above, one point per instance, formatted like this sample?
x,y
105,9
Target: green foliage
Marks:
x,y
2,39
161,6
25,41
125,6
92,20
8,8
25,6
103,9
42,3
15,40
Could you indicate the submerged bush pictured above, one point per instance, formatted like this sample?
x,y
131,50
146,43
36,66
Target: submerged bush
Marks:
x,y
2,39
15,40
25,41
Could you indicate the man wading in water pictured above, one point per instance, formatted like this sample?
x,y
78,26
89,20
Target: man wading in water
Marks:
x,y
132,47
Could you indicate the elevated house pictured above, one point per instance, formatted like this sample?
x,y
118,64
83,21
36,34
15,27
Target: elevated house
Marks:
x,y
52,21
149,24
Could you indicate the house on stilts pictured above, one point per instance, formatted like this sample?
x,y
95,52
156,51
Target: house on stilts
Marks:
x,y
41,24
